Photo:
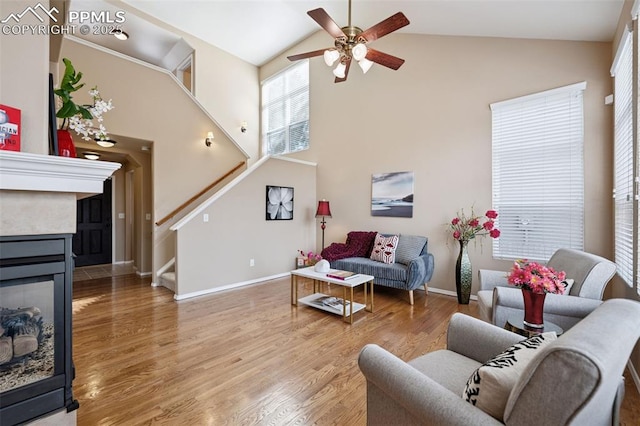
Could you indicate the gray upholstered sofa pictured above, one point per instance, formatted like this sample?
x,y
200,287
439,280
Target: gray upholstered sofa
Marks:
x,y
412,269
574,380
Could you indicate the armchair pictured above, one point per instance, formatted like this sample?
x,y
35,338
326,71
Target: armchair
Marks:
x,y
576,379
497,300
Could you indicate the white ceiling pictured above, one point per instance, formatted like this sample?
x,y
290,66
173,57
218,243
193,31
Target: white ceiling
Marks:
x,y
257,31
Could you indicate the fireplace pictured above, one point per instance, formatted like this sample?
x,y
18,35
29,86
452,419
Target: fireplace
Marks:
x,y
36,367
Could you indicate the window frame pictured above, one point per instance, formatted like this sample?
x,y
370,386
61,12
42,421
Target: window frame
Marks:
x,y
527,231
285,103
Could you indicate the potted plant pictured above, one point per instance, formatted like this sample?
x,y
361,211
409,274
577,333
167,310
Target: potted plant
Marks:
x,y
78,117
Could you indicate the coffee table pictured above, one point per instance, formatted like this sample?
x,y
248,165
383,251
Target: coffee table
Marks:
x,y
343,307
515,323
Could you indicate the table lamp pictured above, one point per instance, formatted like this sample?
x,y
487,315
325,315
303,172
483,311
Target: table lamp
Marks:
x,y
323,211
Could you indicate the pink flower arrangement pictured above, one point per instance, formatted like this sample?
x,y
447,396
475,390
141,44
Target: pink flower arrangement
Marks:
x,y
310,258
467,228
535,277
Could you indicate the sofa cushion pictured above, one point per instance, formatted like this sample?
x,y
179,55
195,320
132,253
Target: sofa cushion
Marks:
x,y
384,248
409,248
363,265
489,386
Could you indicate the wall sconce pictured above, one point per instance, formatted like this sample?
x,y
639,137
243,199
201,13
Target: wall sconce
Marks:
x,y
209,140
243,127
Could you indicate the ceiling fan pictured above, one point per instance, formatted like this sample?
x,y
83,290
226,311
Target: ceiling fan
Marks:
x,y
350,43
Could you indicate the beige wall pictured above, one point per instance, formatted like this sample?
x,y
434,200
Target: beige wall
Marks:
x,y
432,117
216,253
24,84
151,105
227,86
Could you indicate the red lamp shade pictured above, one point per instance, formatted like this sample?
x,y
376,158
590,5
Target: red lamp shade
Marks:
x,y
323,209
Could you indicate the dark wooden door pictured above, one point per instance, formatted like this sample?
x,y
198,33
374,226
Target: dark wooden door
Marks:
x,y
92,241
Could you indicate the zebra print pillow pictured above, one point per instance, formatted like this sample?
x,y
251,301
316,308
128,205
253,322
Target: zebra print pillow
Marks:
x,y
489,386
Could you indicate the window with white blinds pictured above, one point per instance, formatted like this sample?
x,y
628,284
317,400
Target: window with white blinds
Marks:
x,y
285,110
622,70
538,173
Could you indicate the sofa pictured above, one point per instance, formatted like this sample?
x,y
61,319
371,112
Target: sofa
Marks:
x,y
410,267
574,379
590,274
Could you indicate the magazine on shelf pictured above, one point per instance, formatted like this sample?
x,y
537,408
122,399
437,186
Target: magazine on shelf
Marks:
x,y
331,301
341,275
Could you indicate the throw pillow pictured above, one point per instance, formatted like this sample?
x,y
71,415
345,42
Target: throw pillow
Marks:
x,y
568,283
409,248
489,386
384,249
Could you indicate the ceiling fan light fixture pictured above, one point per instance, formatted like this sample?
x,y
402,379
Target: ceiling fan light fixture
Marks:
x,y
359,51
331,56
340,70
365,64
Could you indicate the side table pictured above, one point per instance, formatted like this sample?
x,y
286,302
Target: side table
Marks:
x,y
515,323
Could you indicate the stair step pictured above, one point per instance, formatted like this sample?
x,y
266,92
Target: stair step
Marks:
x,y
168,280
169,276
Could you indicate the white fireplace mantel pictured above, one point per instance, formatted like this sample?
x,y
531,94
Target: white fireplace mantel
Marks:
x,y
22,171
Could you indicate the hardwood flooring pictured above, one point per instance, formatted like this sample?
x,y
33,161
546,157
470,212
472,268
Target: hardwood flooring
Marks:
x,y
241,357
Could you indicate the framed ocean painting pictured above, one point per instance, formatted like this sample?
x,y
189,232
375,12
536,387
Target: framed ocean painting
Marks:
x,y
392,194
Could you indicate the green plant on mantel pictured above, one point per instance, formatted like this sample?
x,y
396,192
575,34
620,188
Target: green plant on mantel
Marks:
x,y
80,117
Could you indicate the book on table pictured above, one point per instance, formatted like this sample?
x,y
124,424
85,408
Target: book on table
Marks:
x,y
341,275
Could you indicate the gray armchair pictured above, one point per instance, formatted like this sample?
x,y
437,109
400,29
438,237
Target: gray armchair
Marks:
x,y
575,380
497,300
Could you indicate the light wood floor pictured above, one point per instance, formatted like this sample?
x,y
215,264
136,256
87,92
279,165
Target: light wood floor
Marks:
x,y
241,357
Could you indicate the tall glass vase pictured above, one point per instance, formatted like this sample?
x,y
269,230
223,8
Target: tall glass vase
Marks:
x,y
463,274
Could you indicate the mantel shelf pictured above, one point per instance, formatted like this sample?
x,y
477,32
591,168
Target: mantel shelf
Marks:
x,y
21,171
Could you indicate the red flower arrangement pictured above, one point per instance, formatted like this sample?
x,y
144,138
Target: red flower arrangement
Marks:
x,y
467,228
536,278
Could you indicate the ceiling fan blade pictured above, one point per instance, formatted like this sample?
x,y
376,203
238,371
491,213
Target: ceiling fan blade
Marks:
x,y
346,72
306,55
324,20
384,59
385,27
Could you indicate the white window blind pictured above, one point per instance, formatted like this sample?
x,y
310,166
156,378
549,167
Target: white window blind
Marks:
x,y
538,173
623,158
285,110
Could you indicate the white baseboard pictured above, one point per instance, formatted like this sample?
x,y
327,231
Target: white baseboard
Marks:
x,y
449,293
261,280
634,375
143,274
122,262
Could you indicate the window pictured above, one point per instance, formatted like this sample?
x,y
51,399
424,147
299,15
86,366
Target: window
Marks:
x,y
538,173
622,70
285,111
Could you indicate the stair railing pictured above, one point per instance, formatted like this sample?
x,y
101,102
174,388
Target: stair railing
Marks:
x,y
199,194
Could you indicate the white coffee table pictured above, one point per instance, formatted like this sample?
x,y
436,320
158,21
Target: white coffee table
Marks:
x,y
341,308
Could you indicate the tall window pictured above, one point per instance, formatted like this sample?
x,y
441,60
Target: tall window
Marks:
x,y
622,70
285,110
538,173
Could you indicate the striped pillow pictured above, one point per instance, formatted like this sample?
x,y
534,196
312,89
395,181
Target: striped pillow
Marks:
x,y
384,249
409,248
